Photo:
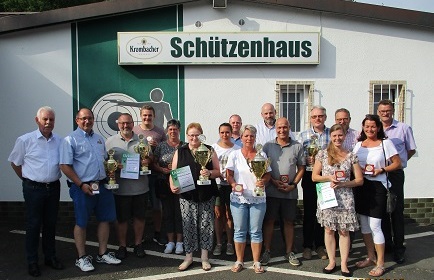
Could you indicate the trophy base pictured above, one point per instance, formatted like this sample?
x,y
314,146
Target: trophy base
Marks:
x,y
95,192
309,168
205,182
111,186
145,172
369,173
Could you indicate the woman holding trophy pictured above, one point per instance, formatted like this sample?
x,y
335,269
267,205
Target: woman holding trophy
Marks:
x,y
223,216
197,204
335,165
170,202
377,156
247,172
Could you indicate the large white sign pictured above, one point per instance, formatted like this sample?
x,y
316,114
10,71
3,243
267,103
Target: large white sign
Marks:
x,y
218,48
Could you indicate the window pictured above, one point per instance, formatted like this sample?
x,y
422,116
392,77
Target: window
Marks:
x,y
393,90
293,101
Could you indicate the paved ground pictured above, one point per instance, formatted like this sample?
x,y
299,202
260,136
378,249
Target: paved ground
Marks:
x,y
157,265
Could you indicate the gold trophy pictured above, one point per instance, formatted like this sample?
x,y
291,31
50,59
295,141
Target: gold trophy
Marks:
x,y
223,161
202,156
312,150
143,149
259,166
111,165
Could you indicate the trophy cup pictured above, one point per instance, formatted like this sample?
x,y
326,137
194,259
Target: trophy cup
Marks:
x,y
202,156
144,150
258,166
223,161
312,150
111,165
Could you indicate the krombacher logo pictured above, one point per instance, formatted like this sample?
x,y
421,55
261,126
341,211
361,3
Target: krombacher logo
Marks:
x,y
144,47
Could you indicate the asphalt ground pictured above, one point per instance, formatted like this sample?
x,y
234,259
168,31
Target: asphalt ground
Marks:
x,y
419,263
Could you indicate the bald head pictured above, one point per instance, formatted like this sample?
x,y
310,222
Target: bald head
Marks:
x,y
282,130
268,113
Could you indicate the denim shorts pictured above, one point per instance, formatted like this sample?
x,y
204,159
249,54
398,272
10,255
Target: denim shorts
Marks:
x,y
248,218
102,204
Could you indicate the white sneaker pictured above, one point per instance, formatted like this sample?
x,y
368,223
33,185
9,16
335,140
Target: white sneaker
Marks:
x,y
84,263
108,258
169,248
179,248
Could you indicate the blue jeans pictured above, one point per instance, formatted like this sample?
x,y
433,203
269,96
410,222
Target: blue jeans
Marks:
x,y
248,217
42,205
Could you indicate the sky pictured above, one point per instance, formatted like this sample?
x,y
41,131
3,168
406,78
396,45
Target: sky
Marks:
x,y
418,5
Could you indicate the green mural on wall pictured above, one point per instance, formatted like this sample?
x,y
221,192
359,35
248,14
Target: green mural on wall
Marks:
x,y
109,89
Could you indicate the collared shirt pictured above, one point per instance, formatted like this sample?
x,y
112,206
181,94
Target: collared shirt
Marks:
x,y
122,146
265,134
237,141
402,137
350,139
37,156
322,139
86,153
284,161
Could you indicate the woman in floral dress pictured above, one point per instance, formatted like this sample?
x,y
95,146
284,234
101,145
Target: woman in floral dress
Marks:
x,y
335,165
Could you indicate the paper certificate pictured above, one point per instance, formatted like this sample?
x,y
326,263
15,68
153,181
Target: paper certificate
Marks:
x,y
183,179
130,166
326,196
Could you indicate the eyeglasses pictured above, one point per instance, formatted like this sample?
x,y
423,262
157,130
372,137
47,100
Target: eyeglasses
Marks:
x,y
85,119
317,116
125,123
193,135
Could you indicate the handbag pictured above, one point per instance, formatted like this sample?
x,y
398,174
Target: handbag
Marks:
x,y
391,197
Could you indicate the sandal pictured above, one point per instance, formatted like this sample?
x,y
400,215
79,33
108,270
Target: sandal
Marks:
x,y
377,271
258,268
365,263
206,265
237,267
185,264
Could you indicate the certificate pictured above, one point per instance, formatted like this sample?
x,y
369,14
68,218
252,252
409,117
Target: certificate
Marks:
x,y
326,196
183,179
130,166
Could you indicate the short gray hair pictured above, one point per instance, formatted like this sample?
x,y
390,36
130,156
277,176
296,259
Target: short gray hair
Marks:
x,y
320,108
46,109
248,127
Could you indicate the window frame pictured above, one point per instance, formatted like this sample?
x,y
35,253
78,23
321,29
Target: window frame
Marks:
x,y
399,100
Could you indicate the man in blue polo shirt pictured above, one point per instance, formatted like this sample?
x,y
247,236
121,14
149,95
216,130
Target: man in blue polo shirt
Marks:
x,y
82,156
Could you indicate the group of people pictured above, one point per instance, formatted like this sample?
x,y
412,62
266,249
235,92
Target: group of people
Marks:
x,y
234,200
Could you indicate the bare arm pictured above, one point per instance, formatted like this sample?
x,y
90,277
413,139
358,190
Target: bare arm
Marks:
x,y
70,173
18,170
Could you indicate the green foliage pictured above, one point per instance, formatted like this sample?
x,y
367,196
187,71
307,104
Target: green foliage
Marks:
x,y
40,5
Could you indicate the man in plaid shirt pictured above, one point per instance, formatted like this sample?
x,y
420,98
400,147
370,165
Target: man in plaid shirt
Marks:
x,y
313,233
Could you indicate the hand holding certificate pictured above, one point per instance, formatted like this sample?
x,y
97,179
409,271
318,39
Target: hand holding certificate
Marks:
x,y
183,179
326,195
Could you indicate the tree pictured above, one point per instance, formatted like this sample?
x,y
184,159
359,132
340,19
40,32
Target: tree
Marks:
x,y
40,5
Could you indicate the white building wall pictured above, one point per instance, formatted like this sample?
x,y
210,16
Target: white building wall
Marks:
x,y
36,66
35,70
353,52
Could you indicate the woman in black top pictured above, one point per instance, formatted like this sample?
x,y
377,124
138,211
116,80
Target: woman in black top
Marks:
x,y
197,205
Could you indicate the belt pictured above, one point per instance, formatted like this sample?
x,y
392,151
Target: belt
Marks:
x,y
42,185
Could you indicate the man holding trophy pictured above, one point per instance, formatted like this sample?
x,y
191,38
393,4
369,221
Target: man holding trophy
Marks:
x,y
197,204
153,135
315,138
131,196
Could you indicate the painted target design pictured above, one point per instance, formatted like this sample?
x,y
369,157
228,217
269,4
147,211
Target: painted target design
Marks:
x,y
107,110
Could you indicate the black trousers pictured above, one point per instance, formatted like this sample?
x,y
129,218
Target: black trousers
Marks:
x,y
394,232
313,232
